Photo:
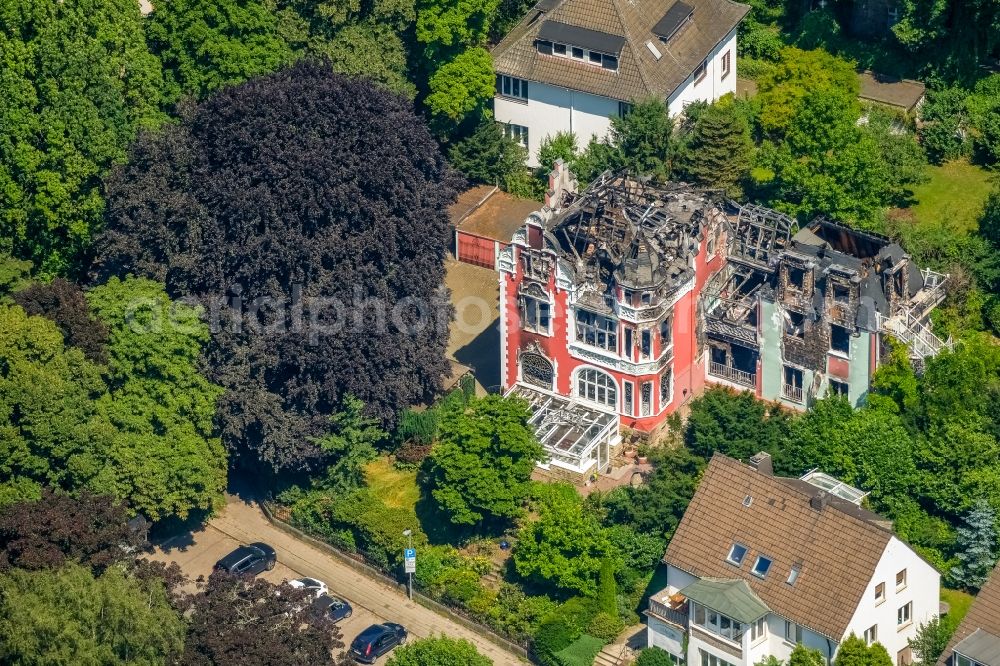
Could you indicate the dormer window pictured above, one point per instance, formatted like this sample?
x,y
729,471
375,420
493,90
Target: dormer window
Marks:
x,y
736,554
593,47
761,566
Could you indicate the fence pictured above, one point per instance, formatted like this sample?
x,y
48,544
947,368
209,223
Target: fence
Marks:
x,y
356,562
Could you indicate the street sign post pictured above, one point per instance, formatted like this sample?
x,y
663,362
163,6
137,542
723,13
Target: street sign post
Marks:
x,y
410,560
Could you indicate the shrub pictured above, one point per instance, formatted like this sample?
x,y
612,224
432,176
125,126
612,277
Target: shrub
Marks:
x,y
580,652
417,427
607,590
411,454
654,656
554,634
605,626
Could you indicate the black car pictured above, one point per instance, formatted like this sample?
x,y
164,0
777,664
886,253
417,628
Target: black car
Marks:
x,y
376,640
248,560
332,607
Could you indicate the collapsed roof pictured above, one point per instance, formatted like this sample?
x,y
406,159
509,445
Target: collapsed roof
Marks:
x,y
626,232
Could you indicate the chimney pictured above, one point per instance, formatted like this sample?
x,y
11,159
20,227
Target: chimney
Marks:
x,y
819,501
762,463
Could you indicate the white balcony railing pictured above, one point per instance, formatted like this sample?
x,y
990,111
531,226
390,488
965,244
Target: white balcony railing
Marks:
x,y
792,392
729,373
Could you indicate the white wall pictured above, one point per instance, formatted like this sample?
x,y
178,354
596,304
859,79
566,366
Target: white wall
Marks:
x,y
923,588
713,86
551,109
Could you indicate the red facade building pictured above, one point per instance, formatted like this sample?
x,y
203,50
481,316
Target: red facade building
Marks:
x,y
599,296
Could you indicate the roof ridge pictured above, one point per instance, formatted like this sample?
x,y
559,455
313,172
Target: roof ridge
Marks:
x,y
628,40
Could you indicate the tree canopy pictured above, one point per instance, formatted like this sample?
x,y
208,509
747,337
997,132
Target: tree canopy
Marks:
x,y
44,533
241,622
438,651
68,615
480,469
321,259
78,82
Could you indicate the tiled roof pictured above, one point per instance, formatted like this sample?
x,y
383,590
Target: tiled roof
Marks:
x,y
640,74
984,614
903,93
835,548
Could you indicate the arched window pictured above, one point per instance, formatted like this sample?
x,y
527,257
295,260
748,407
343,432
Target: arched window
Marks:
x,y
597,386
536,369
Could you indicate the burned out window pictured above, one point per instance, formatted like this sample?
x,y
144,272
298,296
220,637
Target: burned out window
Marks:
x,y
839,388
840,339
536,369
795,324
796,277
666,333
792,385
593,329
537,315
646,344
841,293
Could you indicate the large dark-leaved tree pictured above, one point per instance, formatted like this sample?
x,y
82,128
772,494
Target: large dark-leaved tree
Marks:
x,y
242,622
63,302
316,207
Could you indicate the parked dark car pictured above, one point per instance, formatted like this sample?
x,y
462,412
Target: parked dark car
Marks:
x,y
332,607
376,640
248,560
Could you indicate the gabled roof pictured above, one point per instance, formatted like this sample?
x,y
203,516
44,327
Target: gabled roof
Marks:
x,y
732,598
979,631
630,24
834,544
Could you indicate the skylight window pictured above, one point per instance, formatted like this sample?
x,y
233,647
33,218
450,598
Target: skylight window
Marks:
x,y
761,566
793,575
736,554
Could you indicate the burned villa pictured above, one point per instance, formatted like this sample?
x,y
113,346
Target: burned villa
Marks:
x,y
619,303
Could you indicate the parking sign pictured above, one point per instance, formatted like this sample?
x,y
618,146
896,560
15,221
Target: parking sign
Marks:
x,y
410,560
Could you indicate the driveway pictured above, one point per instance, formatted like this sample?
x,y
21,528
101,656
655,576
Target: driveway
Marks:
x,y
474,334
372,600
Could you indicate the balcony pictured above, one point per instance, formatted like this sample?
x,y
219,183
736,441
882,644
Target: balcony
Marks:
x,y
731,374
792,392
675,613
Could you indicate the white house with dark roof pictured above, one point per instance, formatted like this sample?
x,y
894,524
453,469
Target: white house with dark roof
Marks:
x,y
760,563
570,65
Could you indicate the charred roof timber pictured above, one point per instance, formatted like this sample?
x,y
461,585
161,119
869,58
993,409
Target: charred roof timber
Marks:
x,y
626,232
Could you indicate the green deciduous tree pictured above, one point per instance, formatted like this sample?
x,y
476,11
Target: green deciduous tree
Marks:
x,y
372,50
479,471
977,547
445,27
853,651
734,423
438,651
654,656
69,616
458,87
565,546
78,82
803,656
165,455
931,640
205,45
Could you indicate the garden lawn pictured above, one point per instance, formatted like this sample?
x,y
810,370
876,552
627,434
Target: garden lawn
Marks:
x,y
956,192
397,489
580,652
958,603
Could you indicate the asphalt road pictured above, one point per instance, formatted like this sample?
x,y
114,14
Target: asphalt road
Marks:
x,y
373,601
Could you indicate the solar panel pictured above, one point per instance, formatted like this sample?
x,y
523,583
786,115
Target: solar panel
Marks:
x,y
594,40
675,17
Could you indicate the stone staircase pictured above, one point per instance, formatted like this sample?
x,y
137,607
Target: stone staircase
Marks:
x,y
614,654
